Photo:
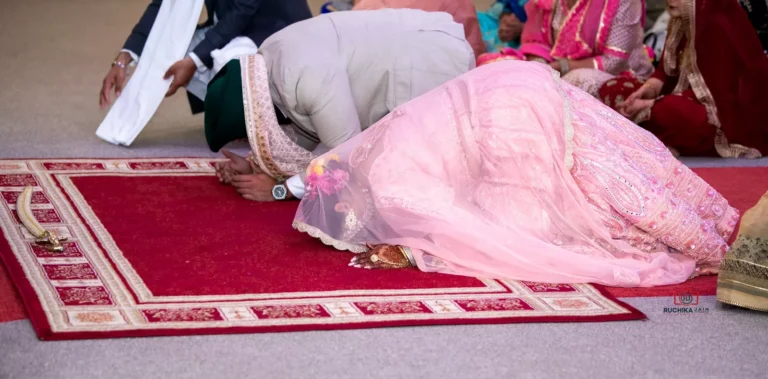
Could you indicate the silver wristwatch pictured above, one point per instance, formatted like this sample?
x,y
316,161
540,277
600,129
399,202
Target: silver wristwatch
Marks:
x,y
279,192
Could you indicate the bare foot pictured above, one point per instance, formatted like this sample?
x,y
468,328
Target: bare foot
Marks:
x,y
235,165
381,257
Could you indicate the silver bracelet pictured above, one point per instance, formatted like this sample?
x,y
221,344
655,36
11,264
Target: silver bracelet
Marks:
x,y
564,68
118,64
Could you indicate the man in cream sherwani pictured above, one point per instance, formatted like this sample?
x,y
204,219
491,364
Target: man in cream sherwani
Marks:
x,y
320,82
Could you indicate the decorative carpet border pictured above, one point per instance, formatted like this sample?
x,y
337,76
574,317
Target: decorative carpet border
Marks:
x,y
91,291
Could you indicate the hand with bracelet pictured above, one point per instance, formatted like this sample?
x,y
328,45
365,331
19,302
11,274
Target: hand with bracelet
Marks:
x,y
641,99
181,72
561,66
564,66
383,257
115,78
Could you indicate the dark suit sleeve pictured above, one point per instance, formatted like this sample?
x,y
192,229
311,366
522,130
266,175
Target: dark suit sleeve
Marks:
x,y
229,27
138,37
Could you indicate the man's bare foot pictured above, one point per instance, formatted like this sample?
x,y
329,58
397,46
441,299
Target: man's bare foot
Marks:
x,y
235,165
381,257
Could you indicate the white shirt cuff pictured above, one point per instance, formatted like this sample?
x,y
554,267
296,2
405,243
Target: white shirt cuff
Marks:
x,y
200,66
296,186
134,57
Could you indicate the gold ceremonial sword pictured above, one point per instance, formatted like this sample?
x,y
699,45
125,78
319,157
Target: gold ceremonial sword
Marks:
x,y
43,237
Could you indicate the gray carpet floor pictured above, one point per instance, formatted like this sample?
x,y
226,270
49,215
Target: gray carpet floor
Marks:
x,y
53,55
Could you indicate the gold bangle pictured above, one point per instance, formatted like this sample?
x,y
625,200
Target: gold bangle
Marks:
x,y
407,256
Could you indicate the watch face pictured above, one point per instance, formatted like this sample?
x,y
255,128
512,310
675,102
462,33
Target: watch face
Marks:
x,y
279,192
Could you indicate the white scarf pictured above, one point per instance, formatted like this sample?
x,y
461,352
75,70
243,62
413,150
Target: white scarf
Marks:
x,y
166,44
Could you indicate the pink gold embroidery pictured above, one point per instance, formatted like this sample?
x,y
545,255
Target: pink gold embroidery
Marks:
x,y
571,303
69,272
157,165
393,307
485,305
95,317
73,166
19,180
84,295
549,287
38,197
290,311
182,314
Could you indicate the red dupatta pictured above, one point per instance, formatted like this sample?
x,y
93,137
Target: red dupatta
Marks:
x,y
726,69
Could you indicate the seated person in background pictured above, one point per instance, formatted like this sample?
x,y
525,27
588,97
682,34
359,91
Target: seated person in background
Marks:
x,y
502,25
708,96
587,41
320,82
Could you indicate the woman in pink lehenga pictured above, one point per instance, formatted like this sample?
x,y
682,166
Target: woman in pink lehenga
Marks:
x,y
587,41
509,172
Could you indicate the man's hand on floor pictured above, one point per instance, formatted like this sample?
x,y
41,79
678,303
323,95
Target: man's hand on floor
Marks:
x,y
256,187
181,72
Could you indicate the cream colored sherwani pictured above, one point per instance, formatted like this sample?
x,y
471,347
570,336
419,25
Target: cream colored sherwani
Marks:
x,y
337,74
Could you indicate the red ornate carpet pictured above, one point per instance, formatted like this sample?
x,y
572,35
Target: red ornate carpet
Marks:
x,y
159,247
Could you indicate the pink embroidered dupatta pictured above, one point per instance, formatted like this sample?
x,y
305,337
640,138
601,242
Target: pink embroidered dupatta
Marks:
x,y
583,34
508,172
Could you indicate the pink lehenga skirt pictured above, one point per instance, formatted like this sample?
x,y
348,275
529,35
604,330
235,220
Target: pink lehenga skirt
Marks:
x,y
508,172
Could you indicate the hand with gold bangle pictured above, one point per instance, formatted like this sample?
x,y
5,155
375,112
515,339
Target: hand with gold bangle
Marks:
x,y
384,257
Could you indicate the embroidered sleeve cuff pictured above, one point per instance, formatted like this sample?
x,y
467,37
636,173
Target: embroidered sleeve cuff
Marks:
x,y
296,186
199,63
134,57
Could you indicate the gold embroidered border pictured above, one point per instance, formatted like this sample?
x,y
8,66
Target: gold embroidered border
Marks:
x,y
568,130
257,115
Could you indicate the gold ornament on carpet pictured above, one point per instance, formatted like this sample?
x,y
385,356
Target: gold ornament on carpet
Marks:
x,y
43,237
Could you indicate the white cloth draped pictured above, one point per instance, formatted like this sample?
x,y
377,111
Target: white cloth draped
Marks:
x,y
168,42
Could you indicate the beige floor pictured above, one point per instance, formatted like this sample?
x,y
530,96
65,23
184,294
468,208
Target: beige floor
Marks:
x,y
55,54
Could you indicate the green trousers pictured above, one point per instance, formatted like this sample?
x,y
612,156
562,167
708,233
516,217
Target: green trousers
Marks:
x,y
224,112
